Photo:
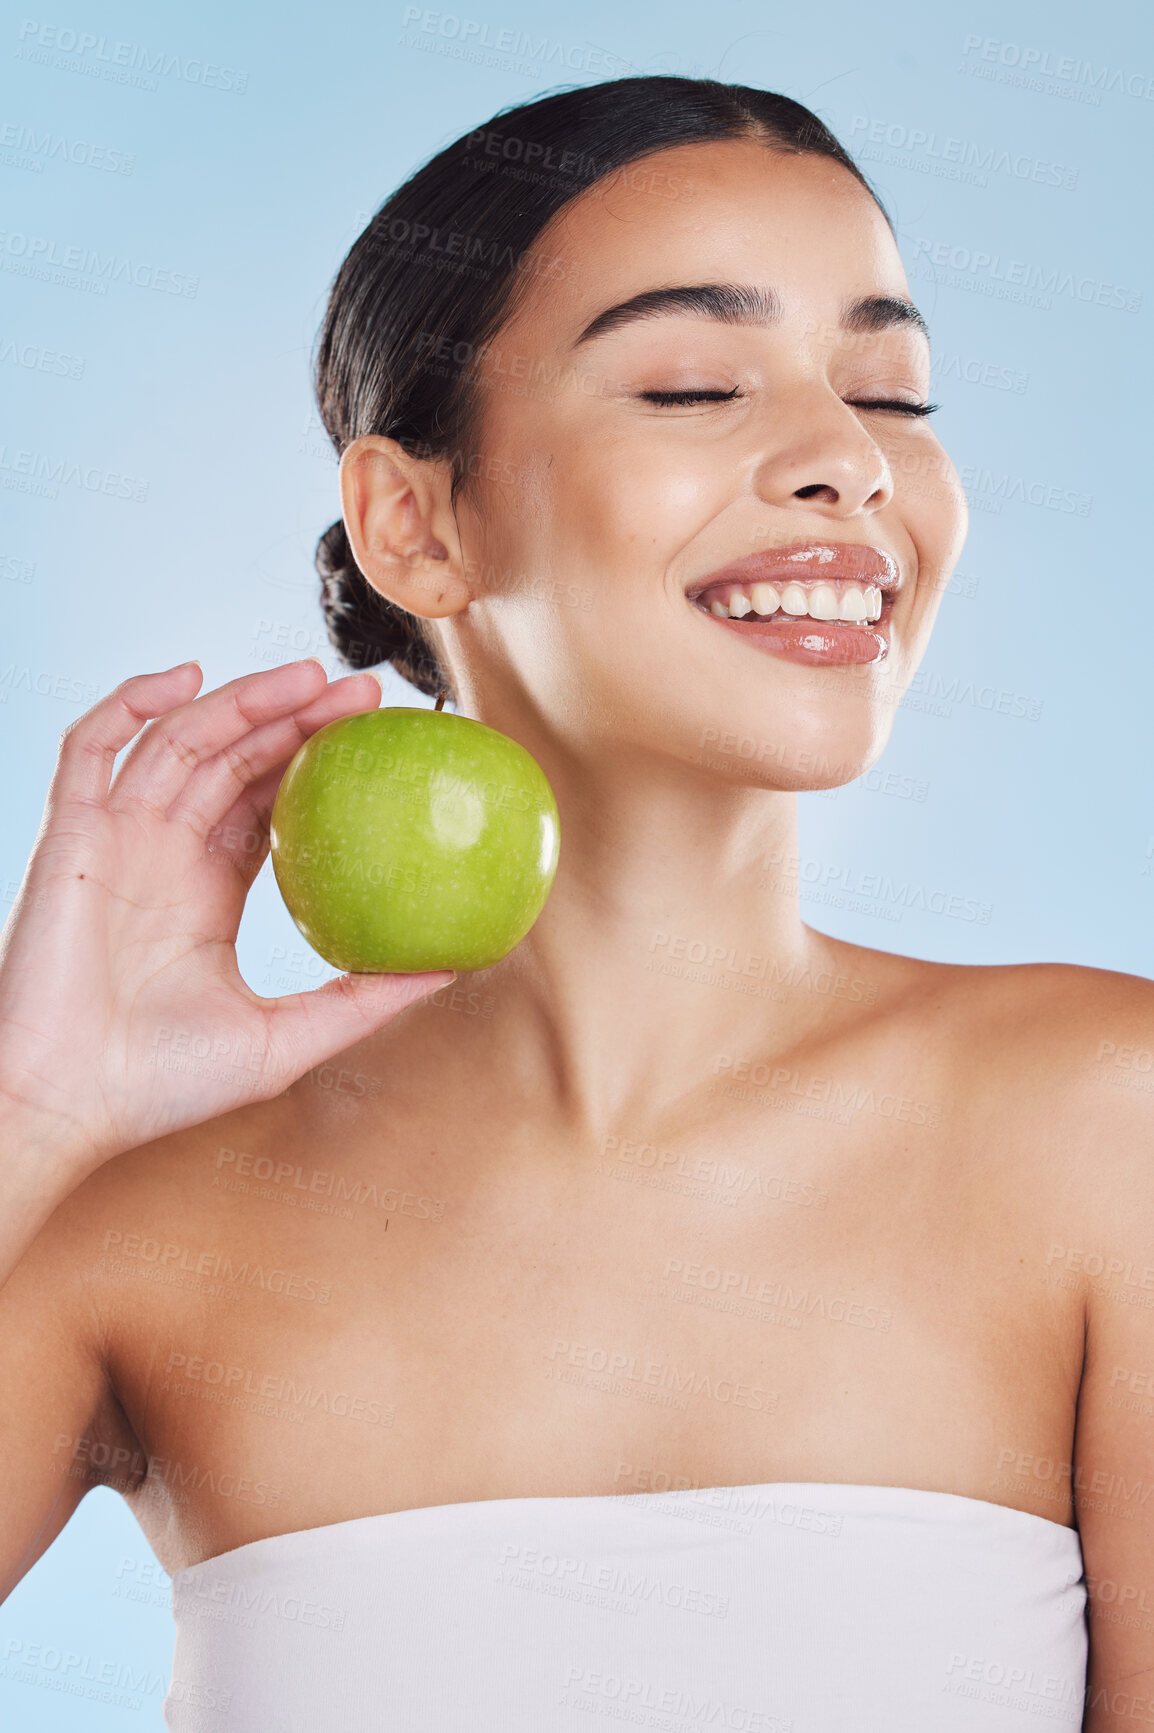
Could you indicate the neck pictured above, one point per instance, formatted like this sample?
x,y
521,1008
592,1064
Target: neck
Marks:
x,y
671,945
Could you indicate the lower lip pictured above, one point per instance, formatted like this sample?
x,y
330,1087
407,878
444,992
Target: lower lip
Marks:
x,y
824,642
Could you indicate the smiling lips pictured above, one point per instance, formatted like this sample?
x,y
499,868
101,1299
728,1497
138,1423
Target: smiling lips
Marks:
x,y
811,602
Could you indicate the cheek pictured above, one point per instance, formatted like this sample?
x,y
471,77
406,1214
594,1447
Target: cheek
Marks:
x,y
632,509
932,506
934,516
590,501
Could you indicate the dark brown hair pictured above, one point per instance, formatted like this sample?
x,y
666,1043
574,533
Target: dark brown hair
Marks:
x,y
436,273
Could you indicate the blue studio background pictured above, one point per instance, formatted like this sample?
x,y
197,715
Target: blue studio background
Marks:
x,y
164,477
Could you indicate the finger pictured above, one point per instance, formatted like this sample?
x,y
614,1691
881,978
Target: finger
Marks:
x,y
169,751
305,1029
89,747
214,789
243,833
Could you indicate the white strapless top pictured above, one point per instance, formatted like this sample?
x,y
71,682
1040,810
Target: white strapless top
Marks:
x,y
784,1608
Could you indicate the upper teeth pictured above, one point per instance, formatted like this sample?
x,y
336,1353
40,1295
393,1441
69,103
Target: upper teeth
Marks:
x,y
827,600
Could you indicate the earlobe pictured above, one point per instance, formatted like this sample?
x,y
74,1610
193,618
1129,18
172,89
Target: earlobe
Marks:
x,y
393,505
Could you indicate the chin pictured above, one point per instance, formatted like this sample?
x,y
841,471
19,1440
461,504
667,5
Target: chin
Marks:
x,y
810,750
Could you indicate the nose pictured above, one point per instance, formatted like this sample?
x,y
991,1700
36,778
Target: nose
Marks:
x,y
820,453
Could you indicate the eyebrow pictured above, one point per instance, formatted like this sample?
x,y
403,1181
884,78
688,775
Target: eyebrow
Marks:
x,y
743,304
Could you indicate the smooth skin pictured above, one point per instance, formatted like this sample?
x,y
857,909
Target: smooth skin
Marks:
x,y
562,1165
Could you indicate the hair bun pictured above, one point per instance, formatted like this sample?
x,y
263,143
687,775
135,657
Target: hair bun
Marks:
x,y
334,555
363,626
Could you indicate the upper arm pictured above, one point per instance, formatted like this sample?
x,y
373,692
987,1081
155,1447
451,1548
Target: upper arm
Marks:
x,y
61,1431
1114,1440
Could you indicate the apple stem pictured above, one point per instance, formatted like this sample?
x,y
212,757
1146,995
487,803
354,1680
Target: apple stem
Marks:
x,y
444,693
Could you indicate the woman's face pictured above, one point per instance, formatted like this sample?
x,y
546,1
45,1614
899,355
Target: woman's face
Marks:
x,y
700,579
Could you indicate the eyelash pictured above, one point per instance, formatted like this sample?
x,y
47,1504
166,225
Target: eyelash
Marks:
x,y
668,399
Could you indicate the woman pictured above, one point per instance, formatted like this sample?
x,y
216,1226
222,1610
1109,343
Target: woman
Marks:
x,y
692,1320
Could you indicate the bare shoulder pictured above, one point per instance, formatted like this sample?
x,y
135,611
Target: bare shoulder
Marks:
x,y
1073,1000
152,1229
1043,1016
1057,1049
1051,1058
1089,1051
179,1173
173,1174
141,1214
1079,1035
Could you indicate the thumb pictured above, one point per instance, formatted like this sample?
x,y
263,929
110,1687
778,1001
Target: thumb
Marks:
x,y
305,1029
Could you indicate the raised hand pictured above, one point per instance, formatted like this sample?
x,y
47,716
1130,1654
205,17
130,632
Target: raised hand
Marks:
x,y
123,1014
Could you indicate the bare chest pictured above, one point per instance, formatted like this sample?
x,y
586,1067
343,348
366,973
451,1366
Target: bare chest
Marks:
x,y
325,1332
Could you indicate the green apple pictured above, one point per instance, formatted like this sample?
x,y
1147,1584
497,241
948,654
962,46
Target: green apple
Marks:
x,y
405,840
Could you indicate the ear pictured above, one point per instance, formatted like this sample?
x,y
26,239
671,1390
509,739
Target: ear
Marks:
x,y
400,524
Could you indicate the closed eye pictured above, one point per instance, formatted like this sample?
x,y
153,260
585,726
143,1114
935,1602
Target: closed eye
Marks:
x,y
895,405
669,397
